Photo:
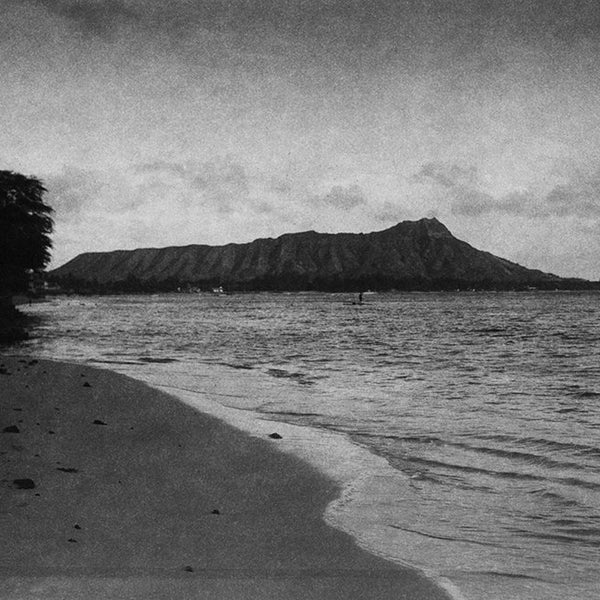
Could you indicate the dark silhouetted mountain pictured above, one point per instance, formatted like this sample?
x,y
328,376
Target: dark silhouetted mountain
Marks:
x,y
411,255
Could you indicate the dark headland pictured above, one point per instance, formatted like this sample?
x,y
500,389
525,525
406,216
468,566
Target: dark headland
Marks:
x,y
412,255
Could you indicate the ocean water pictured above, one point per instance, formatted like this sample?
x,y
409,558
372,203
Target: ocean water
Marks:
x,y
480,413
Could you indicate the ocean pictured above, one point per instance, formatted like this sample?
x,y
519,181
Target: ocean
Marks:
x,y
464,427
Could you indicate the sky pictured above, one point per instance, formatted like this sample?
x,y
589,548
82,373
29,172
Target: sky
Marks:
x,y
182,122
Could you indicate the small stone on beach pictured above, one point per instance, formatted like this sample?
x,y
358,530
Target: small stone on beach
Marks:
x,y
188,569
99,422
275,436
24,484
216,511
11,429
86,384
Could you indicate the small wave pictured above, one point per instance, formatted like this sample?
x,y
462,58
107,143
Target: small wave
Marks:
x,y
570,409
151,359
443,537
290,413
544,494
563,538
112,362
589,394
301,378
509,575
543,442
569,481
490,330
469,469
527,457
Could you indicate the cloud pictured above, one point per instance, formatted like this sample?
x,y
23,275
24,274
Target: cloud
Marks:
x,y
578,196
448,175
221,183
342,197
74,191
96,17
461,185
389,212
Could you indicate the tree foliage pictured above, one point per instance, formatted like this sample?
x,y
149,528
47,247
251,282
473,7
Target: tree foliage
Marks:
x,y
25,228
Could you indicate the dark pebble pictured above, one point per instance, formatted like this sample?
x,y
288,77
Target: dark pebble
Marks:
x,y
73,541
216,511
86,384
11,429
24,484
188,569
99,422
275,436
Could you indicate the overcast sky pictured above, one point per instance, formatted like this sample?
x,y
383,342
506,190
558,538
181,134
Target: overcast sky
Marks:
x,y
187,121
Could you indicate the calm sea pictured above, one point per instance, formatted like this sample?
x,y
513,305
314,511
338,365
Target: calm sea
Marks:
x,y
486,407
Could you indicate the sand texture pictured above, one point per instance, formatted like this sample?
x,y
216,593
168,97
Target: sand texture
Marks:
x,y
111,489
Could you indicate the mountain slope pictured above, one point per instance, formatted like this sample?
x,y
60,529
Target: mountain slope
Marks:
x,y
411,255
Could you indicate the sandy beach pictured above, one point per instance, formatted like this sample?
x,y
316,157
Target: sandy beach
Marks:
x,y
112,489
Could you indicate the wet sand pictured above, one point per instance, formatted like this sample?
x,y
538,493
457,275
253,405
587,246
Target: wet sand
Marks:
x,y
112,489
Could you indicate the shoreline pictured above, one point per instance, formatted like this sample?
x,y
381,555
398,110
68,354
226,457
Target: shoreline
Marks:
x,y
153,496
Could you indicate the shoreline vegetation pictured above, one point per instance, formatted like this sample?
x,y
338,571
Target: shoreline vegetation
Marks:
x,y
135,285
114,489
13,324
25,227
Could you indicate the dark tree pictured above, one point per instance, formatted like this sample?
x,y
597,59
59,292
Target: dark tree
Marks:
x,y
25,228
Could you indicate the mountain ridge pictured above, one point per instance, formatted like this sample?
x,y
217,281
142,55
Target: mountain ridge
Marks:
x,y
419,254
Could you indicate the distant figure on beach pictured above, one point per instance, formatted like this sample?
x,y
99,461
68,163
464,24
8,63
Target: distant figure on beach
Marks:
x,y
360,297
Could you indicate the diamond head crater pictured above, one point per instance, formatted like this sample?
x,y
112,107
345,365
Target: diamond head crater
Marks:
x,y
412,255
